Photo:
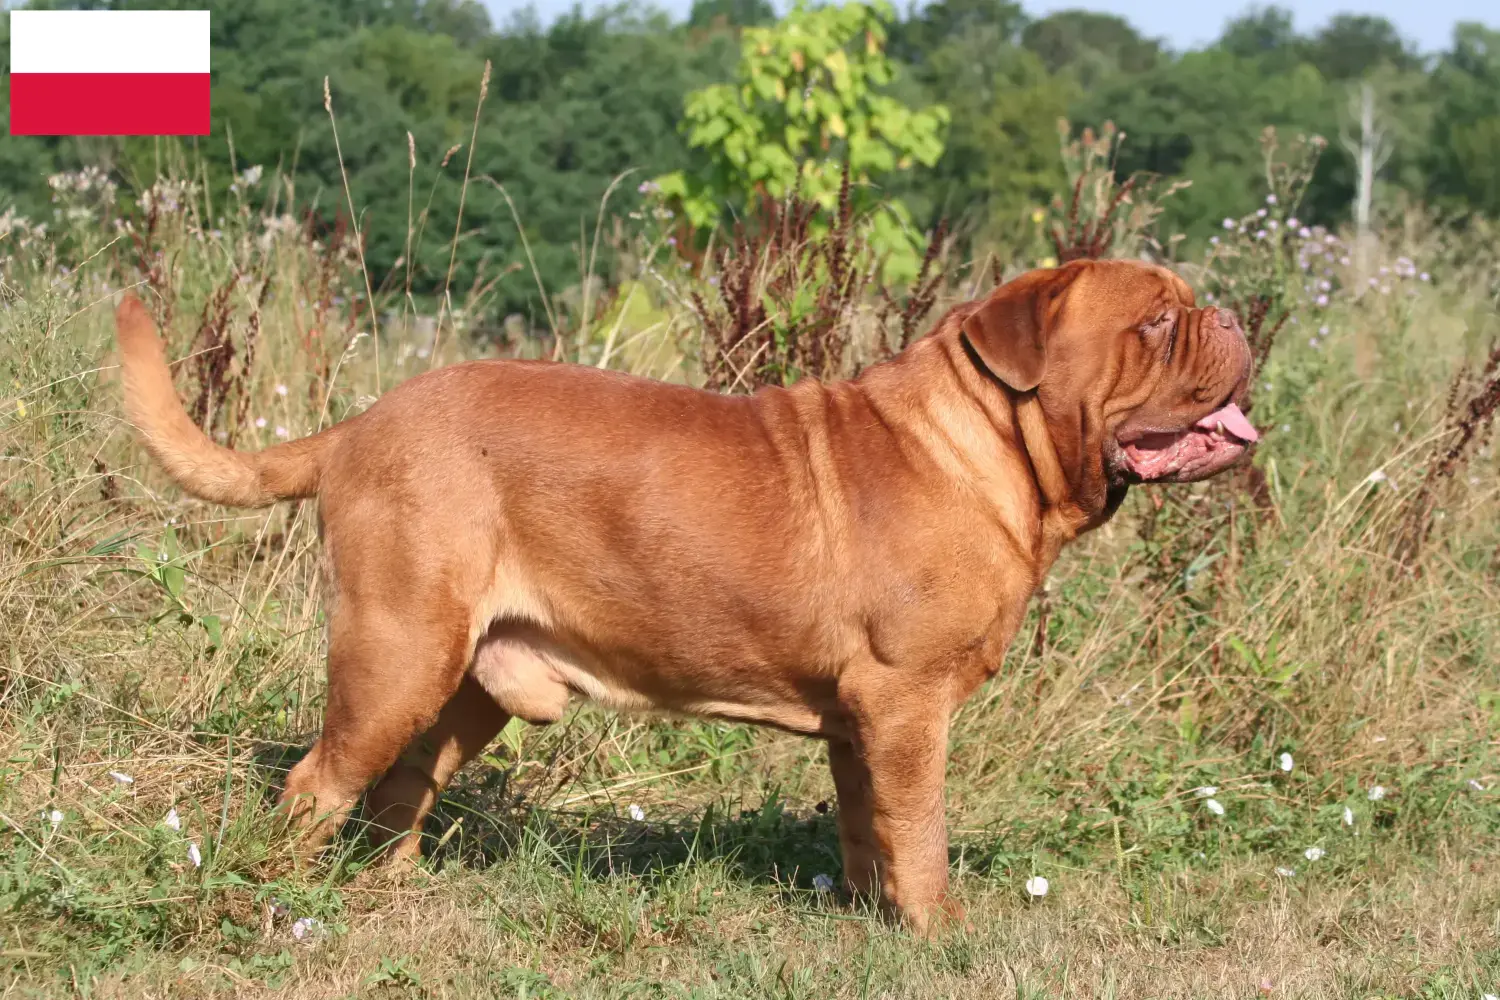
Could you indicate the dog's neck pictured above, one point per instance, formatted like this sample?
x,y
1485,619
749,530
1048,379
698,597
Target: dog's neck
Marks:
x,y
1051,480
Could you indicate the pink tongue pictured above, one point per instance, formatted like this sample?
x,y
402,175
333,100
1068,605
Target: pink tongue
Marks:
x,y
1234,422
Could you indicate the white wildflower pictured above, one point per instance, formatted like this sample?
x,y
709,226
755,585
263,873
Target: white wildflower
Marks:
x,y
1214,806
1313,853
122,778
1348,816
306,927
1037,886
55,817
1286,872
1476,785
1206,791
173,821
195,855
636,812
1285,762
280,390
1377,793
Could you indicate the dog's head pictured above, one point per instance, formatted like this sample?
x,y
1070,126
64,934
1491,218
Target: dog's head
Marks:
x,y
1127,368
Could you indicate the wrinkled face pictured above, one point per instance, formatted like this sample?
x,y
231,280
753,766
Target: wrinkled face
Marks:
x,y
1127,368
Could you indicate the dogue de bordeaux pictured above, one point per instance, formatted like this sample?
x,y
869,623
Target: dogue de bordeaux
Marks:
x,y
845,560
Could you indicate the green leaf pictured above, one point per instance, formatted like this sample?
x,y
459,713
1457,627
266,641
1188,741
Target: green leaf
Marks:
x,y
212,625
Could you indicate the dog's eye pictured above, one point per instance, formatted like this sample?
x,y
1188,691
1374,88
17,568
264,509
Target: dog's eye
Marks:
x,y
1159,325
1162,332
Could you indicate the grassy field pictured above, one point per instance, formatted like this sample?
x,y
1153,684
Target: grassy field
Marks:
x,y
1249,736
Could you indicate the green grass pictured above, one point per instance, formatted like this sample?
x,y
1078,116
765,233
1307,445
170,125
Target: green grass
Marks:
x,y
1188,644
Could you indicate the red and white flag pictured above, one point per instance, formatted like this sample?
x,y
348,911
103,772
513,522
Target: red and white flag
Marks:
x,y
109,72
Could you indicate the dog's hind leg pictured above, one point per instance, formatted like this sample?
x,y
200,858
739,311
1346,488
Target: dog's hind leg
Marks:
x,y
390,672
399,804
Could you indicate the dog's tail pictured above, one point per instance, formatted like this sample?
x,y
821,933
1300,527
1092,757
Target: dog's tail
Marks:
x,y
201,467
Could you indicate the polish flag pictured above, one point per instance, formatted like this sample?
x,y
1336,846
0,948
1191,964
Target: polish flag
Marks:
x,y
109,72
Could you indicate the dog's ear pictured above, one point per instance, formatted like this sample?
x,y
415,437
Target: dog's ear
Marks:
x,y
1009,331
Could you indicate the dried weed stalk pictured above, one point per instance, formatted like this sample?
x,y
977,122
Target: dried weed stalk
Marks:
x,y
791,288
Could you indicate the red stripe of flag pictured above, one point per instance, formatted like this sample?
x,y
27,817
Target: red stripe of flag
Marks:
x,y
109,103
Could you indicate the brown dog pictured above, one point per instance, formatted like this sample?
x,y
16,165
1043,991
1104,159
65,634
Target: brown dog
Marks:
x,y
845,560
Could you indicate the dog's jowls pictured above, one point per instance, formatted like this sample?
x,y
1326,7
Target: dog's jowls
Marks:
x,y
844,560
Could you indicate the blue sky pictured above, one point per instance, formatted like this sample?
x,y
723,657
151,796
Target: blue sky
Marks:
x,y
1186,23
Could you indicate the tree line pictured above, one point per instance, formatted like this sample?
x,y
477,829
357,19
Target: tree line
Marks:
x,y
571,105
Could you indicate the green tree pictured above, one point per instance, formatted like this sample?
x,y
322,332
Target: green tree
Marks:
x,y
730,13
808,97
1198,118
1465,159
1089,46
1001,157
1352,45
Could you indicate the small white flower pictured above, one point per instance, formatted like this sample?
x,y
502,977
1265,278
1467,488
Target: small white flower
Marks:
x,y
1348,816
281,432
305,927
281,390
195,855
1228,223
1286,872
1037,886
1270,199
1377,793
1285,762
636,812
1425,276
1206,791
822,883
123,779
173,821
1378,476
1489,996
1476,785
1214,806
1313,853
260,422
55,817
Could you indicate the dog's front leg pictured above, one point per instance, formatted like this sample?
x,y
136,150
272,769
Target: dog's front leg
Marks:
x,y
889,773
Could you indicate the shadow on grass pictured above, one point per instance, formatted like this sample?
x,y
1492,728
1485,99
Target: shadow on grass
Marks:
x,y
486,818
